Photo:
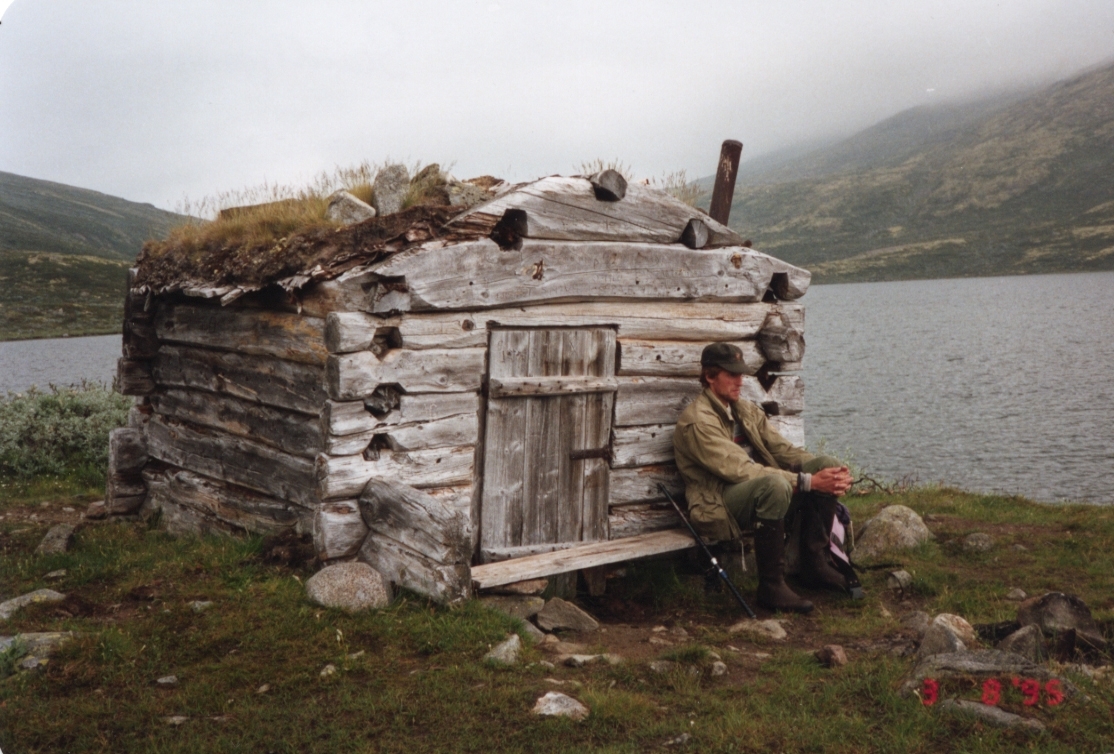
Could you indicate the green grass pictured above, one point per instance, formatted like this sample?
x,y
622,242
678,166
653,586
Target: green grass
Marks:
x,y
420,683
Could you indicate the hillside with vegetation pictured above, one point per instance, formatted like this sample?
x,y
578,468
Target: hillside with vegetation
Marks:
x,y
64,253
1016,184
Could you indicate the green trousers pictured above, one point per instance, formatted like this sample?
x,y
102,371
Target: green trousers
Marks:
x,y
769,497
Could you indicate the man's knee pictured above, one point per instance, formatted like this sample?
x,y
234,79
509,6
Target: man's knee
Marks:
x,y
821,462
775,494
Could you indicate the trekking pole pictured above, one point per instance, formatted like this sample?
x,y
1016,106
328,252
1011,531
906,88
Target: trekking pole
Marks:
x,y
715,563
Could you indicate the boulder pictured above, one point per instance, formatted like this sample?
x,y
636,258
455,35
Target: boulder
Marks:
x,y
346,209
534,635
917,621
768,629
349,586
978,542
940,639
991,715
465,194
530,587
559,614
1027,642
8,608
506,652
96,511
516,607
556,704
981,663
1056,613
390,186
895,528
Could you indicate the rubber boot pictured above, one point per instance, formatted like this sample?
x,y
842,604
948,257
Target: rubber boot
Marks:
x,y
769,552
816,533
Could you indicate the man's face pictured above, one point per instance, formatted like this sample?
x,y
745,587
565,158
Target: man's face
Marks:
x,y
726,386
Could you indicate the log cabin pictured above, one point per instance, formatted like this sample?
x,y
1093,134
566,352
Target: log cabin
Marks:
x,y
461,399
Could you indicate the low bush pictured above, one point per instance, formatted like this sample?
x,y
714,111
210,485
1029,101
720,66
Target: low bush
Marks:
x,y
62,432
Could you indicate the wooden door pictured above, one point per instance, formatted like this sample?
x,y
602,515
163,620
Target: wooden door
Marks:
x,y
546,449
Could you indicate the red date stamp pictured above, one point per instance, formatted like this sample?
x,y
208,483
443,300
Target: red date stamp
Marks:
x,y
993,689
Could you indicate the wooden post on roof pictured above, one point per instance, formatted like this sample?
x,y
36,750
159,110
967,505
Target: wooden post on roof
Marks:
x,y
724,189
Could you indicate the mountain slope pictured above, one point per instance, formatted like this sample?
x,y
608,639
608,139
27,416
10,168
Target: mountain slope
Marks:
x,y
64,254
1007,186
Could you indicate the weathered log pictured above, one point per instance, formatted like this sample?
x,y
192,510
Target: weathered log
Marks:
x,y
460,429
609,185
345,476
347,418
383,400
338,529
522,387
124,493
647,400
236,508
352,291
433,527
258,332
134,377
412,570
642,446
233,459
127,450
356,375
792,428
428,407
696,234
275,382
781,339
292,432
656,358
787,394
633,520
660,320
479,275
582,556
566,209
640,484
348,332
140,341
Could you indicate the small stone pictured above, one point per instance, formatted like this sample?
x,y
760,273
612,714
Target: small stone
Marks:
x,y
940,639
390,188
770,629
680,740
719,668
884,612
992,715
715,655
550,640
533,634
1018,547
68,509
964,630
556,704
175,720
659,629
328,670
33,663
56,575
564,647
763,655
832,656
200,606
559,614
58,539
899,581
10,607
678,632
547,664
521,607
465,194
263,689
528,588
355,655
917,621
978,542
1016,595
1027,641
662,666
506,652
660,641
579,661
168,680
353,587
346,209
96,511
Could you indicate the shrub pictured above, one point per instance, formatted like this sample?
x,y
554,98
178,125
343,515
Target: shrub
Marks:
x,y
62,433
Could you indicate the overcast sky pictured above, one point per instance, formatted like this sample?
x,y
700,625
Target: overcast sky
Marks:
x,y
157,100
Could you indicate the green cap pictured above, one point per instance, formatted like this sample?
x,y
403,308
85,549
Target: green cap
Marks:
x,y
725,356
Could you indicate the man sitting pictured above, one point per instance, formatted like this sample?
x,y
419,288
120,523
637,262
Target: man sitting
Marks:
x,y
739,472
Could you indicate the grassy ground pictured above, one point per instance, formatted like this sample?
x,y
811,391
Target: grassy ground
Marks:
x,y
411,677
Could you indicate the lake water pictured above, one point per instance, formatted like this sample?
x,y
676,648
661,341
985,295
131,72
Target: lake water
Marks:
x,y
990,384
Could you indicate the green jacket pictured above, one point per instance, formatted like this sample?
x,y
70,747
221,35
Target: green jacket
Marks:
x,y
710,461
